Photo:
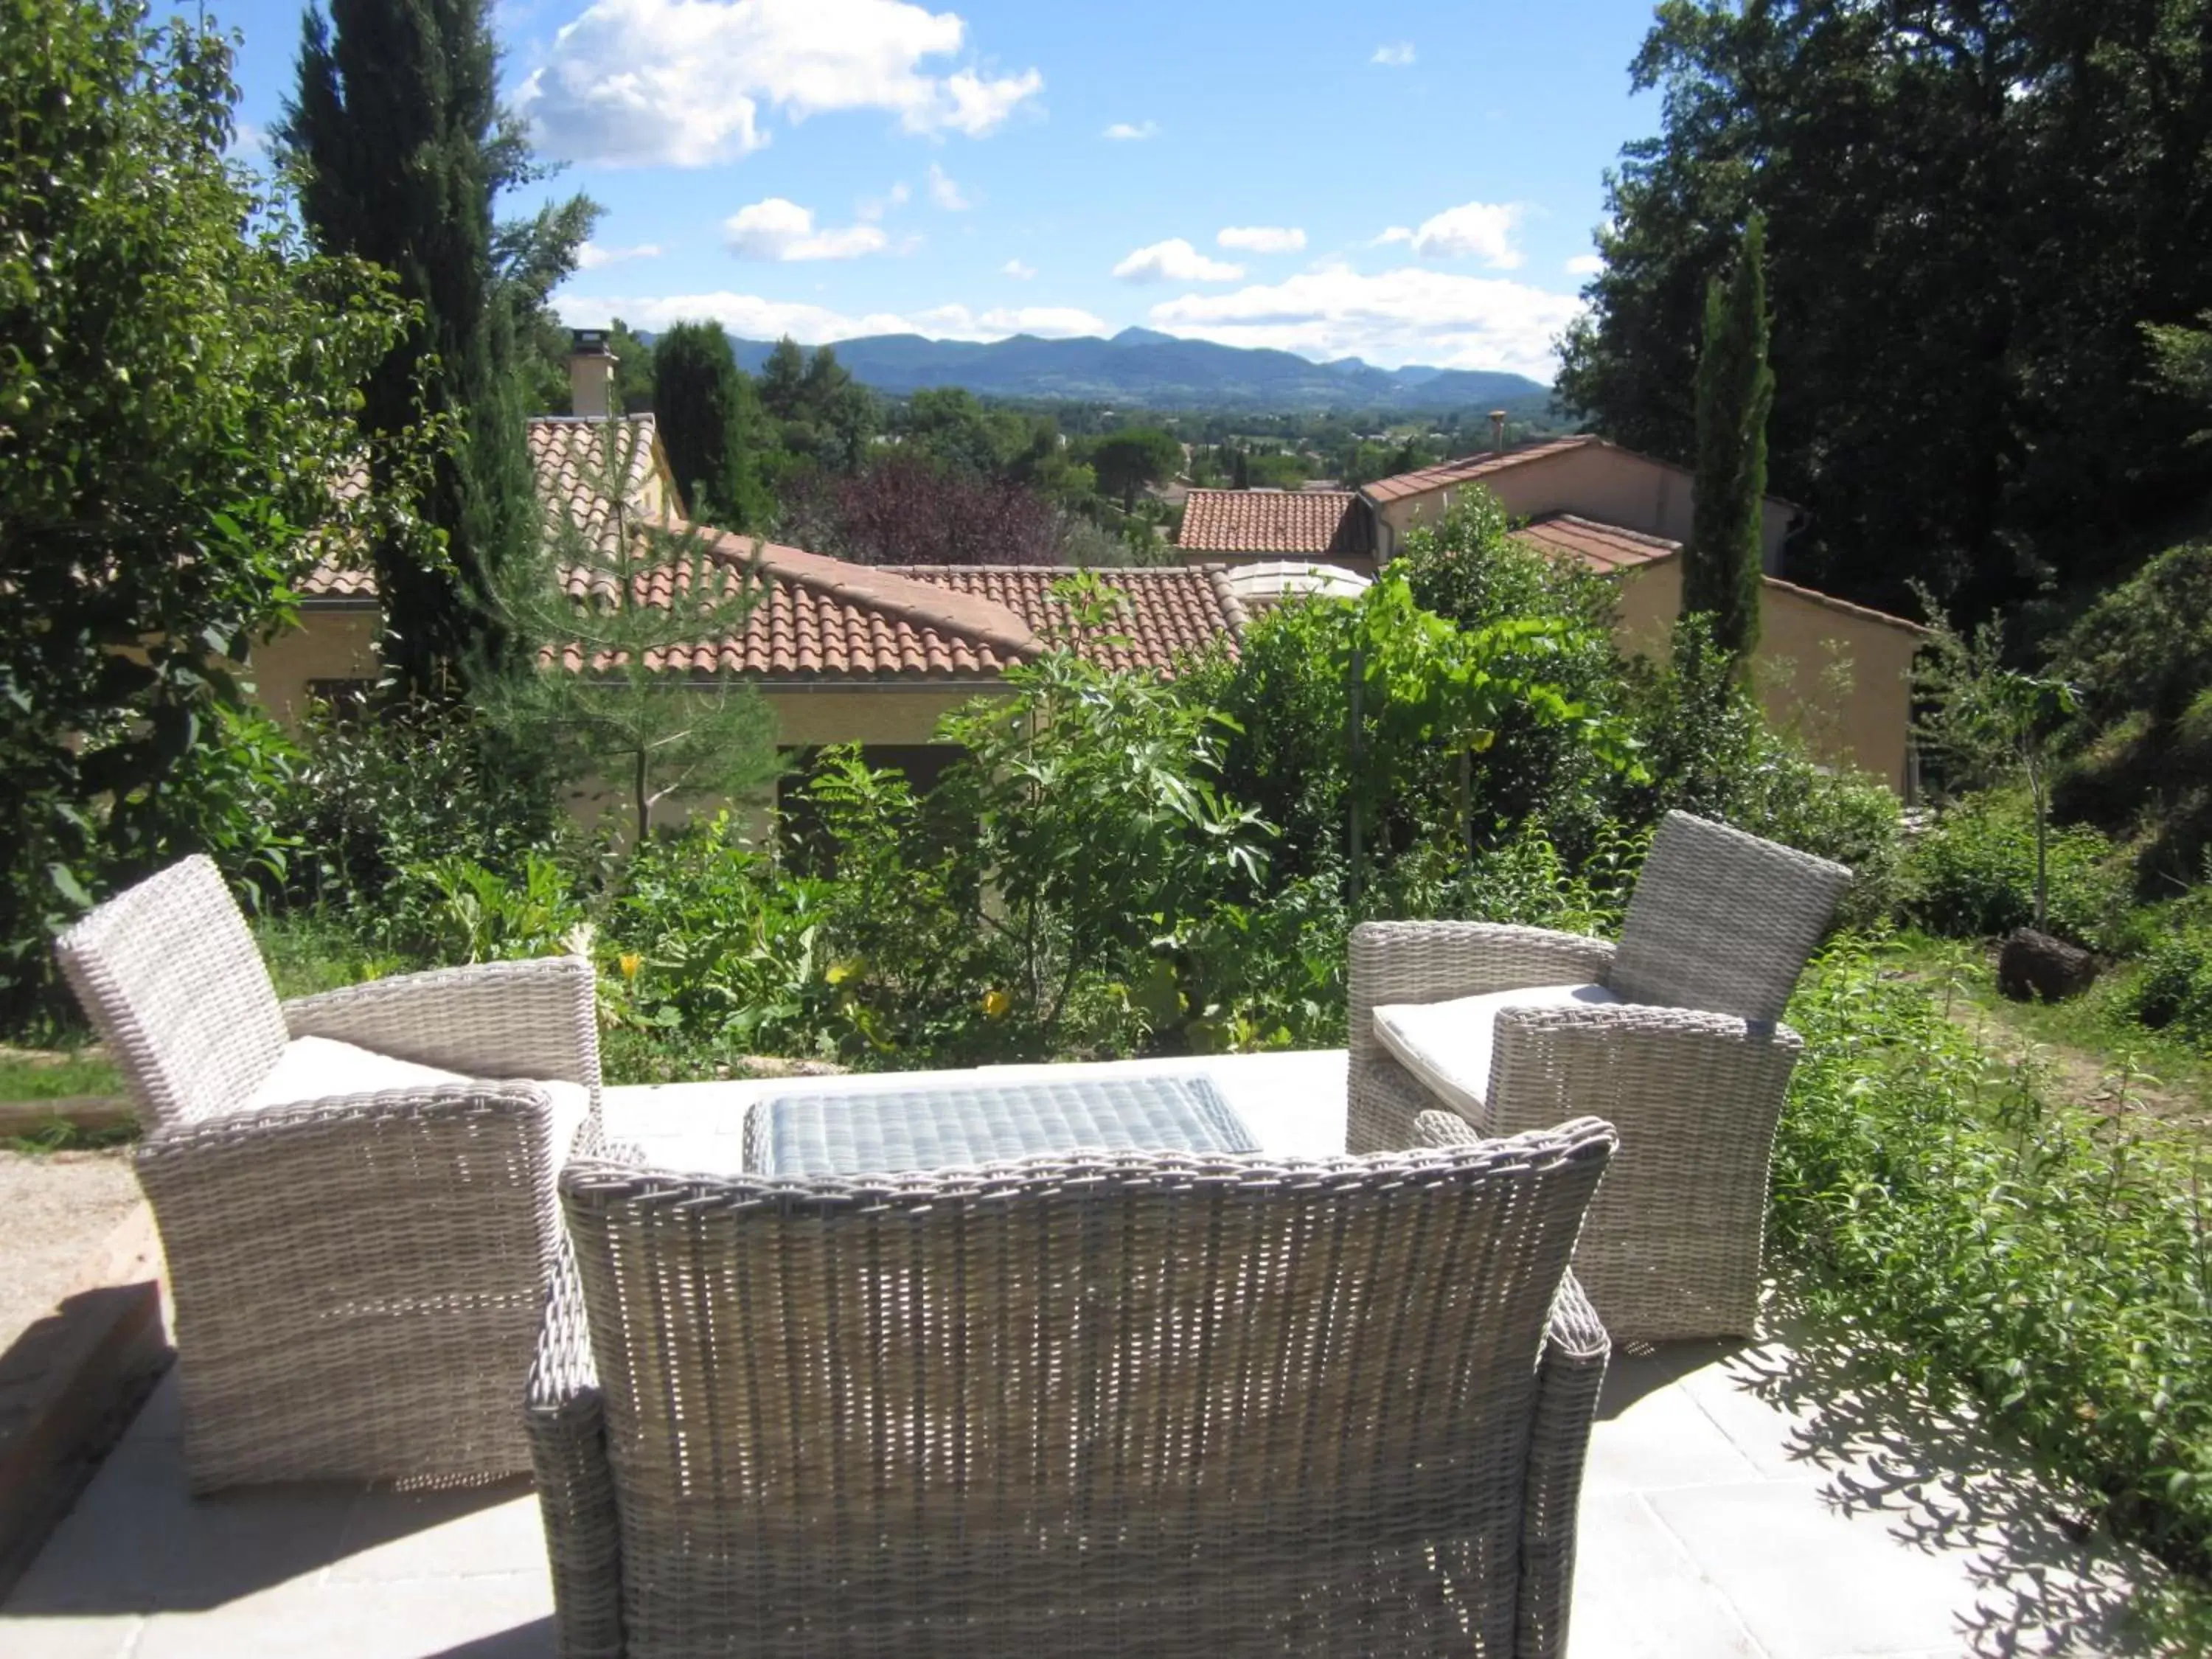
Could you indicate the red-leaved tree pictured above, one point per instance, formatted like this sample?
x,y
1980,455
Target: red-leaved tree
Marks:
x,y
907,509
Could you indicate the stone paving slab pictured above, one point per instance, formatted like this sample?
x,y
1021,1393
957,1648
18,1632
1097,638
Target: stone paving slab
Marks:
x,y
1741,1503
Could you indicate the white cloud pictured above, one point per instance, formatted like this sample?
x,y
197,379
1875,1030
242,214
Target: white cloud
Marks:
x,y
592,257
755,317
249,141
872,208
1131,132
957,322
685,82
1586,264
946,194
1019,270
1403,316
1484,230
1261,239
1394,54
784,231
1174,261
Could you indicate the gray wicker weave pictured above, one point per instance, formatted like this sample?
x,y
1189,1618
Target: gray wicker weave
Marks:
x,y
960,1122
357,1279
1691,1065
1115,1405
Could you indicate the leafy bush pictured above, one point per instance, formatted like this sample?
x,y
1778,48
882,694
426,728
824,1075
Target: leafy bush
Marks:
x,y
2172,990
453,910
1973,874
2142,752
711,941
371,796
1462,733
2049,1265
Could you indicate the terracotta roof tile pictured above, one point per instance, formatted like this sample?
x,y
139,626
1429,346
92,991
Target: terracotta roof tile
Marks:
x,y
820,618
1311,523
1169,612
568,460
1470,467
1605,548
823,618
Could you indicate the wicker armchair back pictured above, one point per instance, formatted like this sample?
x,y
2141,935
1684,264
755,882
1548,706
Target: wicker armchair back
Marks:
x,y
1721,920
1169,1405
171,980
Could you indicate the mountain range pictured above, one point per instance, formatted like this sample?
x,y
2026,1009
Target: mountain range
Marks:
x,y
1141,367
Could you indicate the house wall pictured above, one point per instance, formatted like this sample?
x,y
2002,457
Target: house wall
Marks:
x,y
1614,485
331,643
1803,644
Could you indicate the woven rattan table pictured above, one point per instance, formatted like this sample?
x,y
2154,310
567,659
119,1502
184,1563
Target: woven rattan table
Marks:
x,y
961,1124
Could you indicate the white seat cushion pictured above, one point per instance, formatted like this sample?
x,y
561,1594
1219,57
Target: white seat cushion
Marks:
x,y
1448,1045
315,1068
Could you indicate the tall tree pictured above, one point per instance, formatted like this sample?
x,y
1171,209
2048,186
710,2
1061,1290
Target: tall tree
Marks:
x,y
1965,395
175,400
710,425
1129,459
594,690
1721,563
402,148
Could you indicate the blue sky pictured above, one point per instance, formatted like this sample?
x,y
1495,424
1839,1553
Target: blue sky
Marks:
x,y
1406,183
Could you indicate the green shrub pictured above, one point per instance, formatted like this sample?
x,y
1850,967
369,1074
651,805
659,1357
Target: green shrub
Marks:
x,y
371,795
453,910
2050,1265
1973,875
2141,751
711,942
2173,989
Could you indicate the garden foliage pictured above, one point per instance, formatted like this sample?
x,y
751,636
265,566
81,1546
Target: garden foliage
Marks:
x,y
2051,1266
177,399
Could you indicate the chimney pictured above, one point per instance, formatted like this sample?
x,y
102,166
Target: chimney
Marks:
x,y
591,373
1498,431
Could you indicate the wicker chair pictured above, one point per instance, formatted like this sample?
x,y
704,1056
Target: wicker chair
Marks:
x,y
1116,1404
359,1228
1674,1035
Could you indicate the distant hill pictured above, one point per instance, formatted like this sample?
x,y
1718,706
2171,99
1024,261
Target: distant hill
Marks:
x,y
1152,370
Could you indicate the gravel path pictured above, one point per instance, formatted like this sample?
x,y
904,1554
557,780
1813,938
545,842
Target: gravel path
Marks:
x,y
55,1208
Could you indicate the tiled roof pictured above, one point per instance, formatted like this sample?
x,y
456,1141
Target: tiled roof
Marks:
x,y
568,461
1470,467
1169,612
823,618
1311,523
1605,548
820,618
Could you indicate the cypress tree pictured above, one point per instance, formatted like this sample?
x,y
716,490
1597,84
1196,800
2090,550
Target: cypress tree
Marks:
x,y
402,148
1721,566
709,421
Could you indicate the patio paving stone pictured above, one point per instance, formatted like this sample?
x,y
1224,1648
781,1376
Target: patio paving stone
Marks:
x,y
1741,1502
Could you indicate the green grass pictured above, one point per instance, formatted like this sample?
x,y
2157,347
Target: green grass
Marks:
x,y
2093,1032
309,951
1989,1236
47,1075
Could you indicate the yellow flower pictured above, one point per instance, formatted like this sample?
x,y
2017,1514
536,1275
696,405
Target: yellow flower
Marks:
x,y
995,1004
629,962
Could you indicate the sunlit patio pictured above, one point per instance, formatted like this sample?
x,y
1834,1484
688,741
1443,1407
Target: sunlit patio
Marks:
x,y
1740,1499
